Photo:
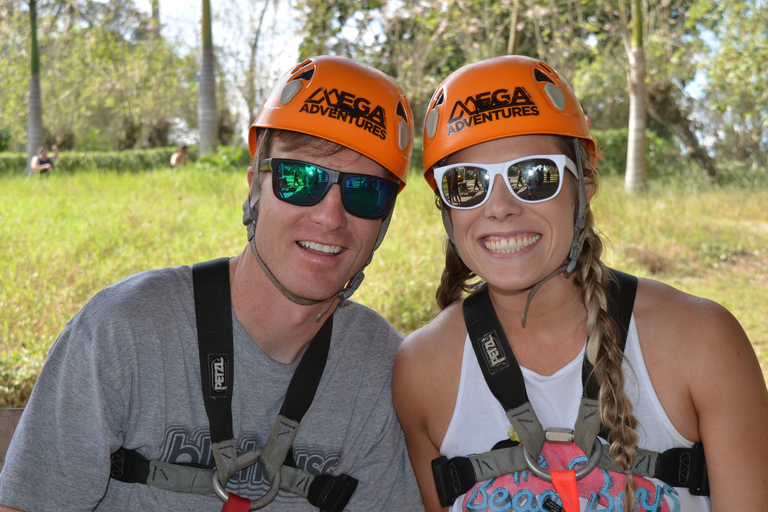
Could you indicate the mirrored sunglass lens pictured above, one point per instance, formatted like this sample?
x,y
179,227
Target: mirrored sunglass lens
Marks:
x,y
368,197
465,186
300,184
534,180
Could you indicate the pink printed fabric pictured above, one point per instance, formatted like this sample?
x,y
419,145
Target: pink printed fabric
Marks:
x,y
600,490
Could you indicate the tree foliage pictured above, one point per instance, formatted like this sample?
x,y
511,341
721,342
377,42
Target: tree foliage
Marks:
x,y
722,44
107,84
736,89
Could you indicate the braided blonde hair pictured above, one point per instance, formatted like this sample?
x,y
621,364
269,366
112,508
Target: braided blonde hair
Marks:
x,y
592,277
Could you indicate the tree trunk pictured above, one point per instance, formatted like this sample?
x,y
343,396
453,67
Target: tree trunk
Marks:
x,y
635,178
154,24
35,126
664,109
206,101
514,35
252,100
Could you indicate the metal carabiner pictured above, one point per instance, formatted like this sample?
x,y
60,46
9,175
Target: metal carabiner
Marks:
x,y
597,453
245,460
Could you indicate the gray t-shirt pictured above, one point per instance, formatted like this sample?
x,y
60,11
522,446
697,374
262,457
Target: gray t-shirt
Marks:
x,y
125,373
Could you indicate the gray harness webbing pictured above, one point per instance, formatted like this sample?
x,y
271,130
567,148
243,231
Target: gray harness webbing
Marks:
x,y
214,325
678,467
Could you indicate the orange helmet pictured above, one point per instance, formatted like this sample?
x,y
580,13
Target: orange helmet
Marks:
x,y
496,98
346,102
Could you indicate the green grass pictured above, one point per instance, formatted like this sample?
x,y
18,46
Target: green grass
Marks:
x,y
64,238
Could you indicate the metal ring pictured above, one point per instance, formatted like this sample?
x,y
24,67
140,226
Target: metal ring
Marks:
x,y
245,460
597,453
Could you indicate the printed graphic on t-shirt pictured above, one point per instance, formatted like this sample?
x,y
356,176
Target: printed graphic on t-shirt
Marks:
x,y
183,447
600,490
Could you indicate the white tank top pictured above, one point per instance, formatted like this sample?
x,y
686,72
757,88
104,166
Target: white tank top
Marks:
x,y
479,422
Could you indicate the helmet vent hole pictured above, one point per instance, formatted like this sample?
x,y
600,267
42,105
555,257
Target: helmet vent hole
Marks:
x,y
549,69
401,110
541,77
307,75
440,99
299,66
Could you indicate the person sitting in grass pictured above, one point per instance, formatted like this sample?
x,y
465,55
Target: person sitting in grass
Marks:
x,y
180,157
42,162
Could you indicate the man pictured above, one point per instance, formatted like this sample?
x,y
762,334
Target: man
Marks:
x,y
123,393
43,163
180,157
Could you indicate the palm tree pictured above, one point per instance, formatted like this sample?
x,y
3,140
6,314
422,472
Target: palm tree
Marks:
x,y
635,178
35,127
206,99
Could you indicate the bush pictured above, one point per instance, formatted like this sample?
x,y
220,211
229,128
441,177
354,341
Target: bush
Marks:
x,y
13,163
233,158
663,156
132,160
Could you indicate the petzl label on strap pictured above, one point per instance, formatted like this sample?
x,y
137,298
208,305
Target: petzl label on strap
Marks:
x,y
493,353
218,367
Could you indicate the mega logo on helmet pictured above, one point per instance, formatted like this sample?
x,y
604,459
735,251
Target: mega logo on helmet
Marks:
x,y
347,107
490,106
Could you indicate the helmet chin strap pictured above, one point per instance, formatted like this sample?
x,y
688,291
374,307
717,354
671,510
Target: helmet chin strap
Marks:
x,y
249,219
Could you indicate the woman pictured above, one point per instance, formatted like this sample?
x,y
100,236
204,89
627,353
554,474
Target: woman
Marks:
x,y
547,322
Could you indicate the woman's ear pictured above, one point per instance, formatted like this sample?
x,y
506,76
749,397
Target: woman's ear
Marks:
x,y
590,188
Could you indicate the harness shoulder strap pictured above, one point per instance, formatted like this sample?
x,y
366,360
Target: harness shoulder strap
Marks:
x,y
213,314
622,289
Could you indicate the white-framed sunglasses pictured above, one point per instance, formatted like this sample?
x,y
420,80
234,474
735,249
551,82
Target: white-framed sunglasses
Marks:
x,y
531,179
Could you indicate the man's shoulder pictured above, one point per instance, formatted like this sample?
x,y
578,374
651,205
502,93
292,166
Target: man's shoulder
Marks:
x,y
142,293
365,332
360,317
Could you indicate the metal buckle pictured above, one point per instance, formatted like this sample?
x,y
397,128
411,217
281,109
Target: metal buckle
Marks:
x,y
245,460
583,471
559,435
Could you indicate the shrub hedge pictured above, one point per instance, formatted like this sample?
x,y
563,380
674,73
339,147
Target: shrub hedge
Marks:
x,y
131,160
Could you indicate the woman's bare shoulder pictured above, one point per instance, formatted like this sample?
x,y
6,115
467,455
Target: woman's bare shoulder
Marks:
x,y
672,309
439,336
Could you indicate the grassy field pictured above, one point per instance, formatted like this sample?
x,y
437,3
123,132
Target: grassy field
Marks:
x,y
65,237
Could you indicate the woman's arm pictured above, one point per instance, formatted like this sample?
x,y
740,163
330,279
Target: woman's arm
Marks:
x,y
425,382
411,398
731,401
707,377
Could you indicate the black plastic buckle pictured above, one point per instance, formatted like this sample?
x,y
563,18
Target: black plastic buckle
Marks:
x,y
684,467
453,477
129,467
331,493
699,484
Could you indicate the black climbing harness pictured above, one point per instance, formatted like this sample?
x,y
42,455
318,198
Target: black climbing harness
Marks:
x,y
213,312
678,467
